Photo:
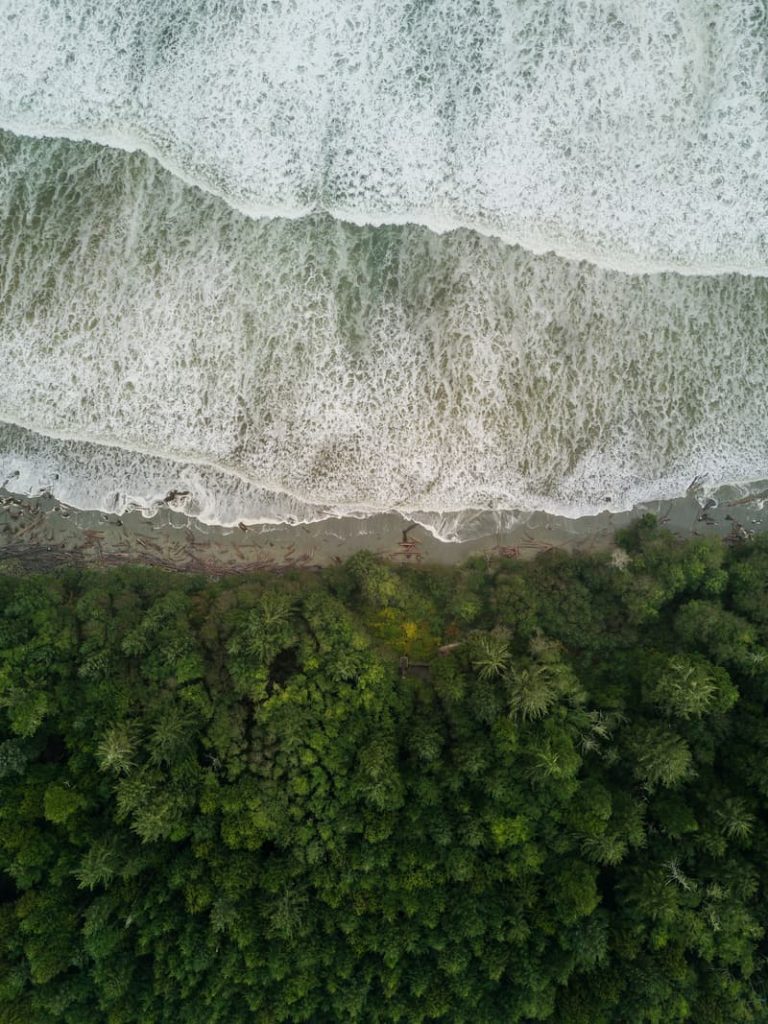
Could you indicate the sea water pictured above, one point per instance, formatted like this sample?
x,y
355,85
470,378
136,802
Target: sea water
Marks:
x,y
310,259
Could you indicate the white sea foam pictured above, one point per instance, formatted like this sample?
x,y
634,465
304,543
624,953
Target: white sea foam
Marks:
x,y
631,134
112,479
155,339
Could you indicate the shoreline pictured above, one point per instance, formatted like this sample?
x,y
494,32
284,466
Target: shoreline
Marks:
x,y
39,533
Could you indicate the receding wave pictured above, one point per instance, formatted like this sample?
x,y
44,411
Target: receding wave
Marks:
x,y
632,135
310,367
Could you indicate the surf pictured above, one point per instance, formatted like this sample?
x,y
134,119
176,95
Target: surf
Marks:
x,y
634,138
309,367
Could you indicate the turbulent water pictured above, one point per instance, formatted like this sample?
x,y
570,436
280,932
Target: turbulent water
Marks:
x,y
304,259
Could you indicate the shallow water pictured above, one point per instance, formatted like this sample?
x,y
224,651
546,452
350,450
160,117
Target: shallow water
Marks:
x,y
634,135
157,335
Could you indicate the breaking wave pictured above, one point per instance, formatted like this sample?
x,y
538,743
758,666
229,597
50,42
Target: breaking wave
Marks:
x,y
290,369
301,260
631,135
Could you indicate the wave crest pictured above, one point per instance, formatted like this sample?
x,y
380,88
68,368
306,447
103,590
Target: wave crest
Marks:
x,y
635,137
357,369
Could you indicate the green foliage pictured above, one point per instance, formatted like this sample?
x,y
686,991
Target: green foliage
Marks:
x,y
660,755
61,801
505,792
490,654
690,687
117,749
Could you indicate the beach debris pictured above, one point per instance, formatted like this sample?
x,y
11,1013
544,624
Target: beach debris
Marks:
x,y
749,498
739,534
409,546
9,478
173,496
408,529
506,551
539,545
704,516
696,484
447,648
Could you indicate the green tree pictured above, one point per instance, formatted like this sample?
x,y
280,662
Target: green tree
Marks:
x,y
659,755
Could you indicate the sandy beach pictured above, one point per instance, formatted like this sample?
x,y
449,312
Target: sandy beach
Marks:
x,y
40,533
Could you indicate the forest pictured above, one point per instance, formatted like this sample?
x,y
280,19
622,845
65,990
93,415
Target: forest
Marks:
x,y
508,792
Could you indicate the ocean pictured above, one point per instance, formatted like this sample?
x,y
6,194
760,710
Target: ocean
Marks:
x,y
288,261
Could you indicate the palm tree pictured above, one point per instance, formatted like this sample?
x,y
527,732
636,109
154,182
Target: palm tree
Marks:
x,y
490,654
686,688
734,820
662,757
610,848
117,748
533,691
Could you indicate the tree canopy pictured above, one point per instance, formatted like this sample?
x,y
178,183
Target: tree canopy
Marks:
x,y
508,792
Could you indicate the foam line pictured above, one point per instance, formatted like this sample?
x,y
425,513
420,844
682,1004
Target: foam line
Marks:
x,y
534,241
355,369
632,136
113,480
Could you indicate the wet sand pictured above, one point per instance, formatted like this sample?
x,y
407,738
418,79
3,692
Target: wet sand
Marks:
x,y
39,533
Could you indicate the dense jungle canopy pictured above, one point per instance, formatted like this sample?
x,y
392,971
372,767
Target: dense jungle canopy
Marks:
x,y
502,793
